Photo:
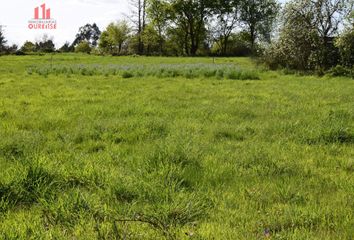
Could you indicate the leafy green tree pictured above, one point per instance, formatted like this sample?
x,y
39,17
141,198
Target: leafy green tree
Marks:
x,y
238,45
309,29
176,43
151,40
307,36
89,33
328,19
345,44
157,13
226,17
258,17
104,43
83,47
114,37
299,41
28,47
12,49
189,17
2,41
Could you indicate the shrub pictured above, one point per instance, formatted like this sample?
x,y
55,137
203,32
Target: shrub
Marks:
x,y
220,74
83,47
345,44
303,44
272,57
209,73
127,74
341,71
28,47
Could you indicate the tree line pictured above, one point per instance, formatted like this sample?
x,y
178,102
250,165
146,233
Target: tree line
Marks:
x,y
300,35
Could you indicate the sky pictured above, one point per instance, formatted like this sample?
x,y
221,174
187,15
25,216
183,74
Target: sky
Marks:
x,y
69,15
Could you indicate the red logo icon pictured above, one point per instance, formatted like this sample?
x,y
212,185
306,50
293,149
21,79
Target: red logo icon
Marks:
x,y
45,12
42,19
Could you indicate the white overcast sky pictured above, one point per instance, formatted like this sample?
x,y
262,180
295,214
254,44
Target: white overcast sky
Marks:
x,y
69,14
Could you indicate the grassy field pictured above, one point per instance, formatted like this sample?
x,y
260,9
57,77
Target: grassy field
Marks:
x,y
172,148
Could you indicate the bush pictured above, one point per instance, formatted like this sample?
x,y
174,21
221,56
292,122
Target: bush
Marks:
x,y
341,71
345,44
127,75
302,43
28,47
45,45
20,53
272,57
83,47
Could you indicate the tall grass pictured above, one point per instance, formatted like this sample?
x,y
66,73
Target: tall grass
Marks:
x,y
189,71
176,150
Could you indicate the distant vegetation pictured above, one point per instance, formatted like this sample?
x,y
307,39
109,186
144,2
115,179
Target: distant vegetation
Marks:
x,y
301,35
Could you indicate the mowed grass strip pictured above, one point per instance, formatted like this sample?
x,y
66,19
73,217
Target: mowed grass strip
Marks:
x,y
165,156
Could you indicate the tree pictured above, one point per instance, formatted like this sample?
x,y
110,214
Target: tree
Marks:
x,y
226,18
151,40
28,47
322,19
297,43
258,16
157,12
114,37
2,41
11,49
328,17
345,44
238,45
67,47
45,44
89,33
138,18
83,47
105,44
189,17
307,34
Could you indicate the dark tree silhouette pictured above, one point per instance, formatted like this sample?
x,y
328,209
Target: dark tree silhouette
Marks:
x,y
45,45
2,41
89,33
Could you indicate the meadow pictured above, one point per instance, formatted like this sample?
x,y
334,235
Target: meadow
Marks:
x,y
95,147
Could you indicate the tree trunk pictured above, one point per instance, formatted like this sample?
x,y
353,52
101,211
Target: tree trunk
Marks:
x,y
186,44
141,22
253,38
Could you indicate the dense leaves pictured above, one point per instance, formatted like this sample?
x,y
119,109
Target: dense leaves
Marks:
x,y
308,34
113,39
89,33
2,41
83,47
346,47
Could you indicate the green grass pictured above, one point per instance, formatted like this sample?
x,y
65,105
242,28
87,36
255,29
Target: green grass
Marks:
x,y
172,148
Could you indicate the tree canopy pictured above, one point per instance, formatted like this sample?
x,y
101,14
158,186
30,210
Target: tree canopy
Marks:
x,y
89,33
